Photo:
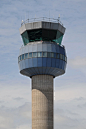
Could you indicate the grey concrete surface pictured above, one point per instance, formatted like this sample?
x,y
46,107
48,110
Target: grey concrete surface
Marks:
x,y
42,102
42,24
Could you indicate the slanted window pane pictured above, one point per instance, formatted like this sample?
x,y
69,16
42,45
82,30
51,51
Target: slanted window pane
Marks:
x,y
42,34
34,54
44,54
25,38
26,55
35,35
30,55
39,54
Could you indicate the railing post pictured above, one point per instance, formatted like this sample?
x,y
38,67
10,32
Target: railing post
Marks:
x,y
42,18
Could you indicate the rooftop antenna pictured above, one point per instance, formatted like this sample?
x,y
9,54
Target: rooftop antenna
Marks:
x,y
59,18
28,16
35,17
49,15
22,22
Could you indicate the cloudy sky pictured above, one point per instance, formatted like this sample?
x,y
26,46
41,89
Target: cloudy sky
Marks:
x,y
70,88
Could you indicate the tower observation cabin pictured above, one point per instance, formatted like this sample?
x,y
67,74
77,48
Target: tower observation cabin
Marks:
x,y
42,52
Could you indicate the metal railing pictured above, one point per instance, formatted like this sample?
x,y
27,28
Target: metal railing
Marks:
x,y
42,19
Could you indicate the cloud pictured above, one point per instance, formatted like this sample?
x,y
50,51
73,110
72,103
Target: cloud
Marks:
x,y
78,62
15,95
15,90
69,90
5,122
69,115
18,99
14,118
26,126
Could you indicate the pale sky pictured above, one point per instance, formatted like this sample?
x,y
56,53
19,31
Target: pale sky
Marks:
x,y
70,88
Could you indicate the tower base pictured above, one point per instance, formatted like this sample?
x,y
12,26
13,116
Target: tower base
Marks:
x,y
42,102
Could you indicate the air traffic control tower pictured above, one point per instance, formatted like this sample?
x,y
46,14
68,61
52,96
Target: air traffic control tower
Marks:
x,y
42,58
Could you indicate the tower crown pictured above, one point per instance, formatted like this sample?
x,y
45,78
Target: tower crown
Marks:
x,y
42,31
42,53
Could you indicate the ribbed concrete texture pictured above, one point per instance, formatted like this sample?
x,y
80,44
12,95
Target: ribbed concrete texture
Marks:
x,y
42,102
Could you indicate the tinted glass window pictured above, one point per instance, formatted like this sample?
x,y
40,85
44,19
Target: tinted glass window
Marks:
x,y
42,34
30,55
39,54
34,54
49,54
63,57
35,35
44,54
52,54
60,56
22,56
57,55
26,55
59,37
52,35
25,38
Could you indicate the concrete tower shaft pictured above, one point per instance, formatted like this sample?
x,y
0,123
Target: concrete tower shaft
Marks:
x,y
42,102
42,58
